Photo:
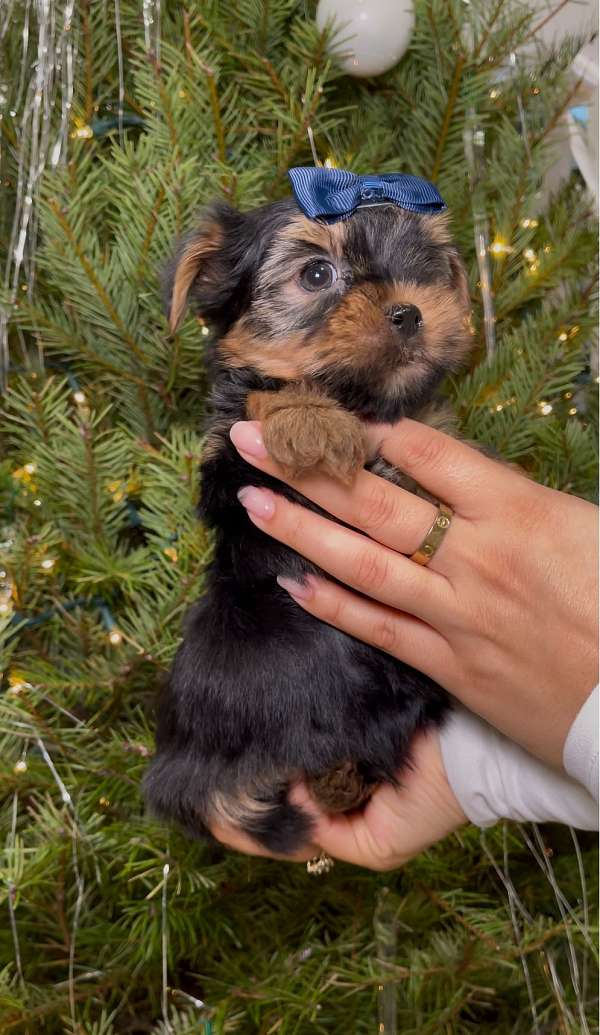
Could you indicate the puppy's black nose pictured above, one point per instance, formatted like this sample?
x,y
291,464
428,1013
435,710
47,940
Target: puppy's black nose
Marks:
x,y
406,318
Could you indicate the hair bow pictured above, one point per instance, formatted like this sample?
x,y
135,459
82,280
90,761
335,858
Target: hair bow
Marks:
x,y
332,194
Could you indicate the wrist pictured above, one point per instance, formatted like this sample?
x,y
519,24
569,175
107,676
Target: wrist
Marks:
x,y
432,793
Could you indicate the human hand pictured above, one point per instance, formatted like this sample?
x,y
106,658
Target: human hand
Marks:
x,y
396,824
504,616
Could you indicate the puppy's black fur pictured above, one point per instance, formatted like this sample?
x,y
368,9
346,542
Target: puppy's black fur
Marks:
x,y
260,692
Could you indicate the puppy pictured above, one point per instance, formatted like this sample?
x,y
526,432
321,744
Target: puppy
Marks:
x,y
319,328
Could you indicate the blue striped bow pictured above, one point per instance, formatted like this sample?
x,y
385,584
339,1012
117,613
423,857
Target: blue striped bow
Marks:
x,y
332,194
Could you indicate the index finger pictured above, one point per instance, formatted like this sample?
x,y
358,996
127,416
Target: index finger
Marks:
x,y
452,471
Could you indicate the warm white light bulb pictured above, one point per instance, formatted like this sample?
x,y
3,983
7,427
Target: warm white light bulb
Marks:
x,y
499,248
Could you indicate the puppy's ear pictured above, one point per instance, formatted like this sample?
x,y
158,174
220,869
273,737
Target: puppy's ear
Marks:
x,y
207,268
459,278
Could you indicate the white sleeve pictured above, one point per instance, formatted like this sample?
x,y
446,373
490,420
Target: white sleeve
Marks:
x,y
494,779
580,753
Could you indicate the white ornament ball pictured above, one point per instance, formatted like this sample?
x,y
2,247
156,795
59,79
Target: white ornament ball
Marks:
x,y
372,34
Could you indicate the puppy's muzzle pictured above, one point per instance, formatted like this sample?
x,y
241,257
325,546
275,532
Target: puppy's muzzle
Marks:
x,y
406,320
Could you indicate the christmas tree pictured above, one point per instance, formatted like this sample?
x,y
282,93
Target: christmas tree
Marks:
x,y
119,121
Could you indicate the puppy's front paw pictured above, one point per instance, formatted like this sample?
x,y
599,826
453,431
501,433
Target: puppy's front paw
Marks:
x,y
311,437
308,431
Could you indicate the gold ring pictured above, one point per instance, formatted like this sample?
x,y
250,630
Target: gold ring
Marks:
x,y
435,535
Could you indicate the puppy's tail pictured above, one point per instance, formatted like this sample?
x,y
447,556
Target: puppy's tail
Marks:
x,y
271,820
179,792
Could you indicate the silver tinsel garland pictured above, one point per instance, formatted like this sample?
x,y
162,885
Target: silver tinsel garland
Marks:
x,y
36,106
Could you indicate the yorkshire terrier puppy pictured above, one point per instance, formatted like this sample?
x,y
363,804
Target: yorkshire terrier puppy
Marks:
x,y
319,328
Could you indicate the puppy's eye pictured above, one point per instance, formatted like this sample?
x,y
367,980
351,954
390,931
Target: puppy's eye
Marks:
x,y
318,275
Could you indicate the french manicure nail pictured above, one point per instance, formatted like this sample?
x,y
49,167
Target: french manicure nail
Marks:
x,y
258,502
299,590
247,438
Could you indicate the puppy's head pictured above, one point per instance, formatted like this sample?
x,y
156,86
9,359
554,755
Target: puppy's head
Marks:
x,y
373,308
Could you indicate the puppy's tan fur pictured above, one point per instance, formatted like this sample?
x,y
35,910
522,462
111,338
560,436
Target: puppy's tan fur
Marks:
x,y
304,429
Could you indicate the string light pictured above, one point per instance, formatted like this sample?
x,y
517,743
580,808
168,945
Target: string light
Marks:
x,y
500,248
23,474
528,224
572,411
17,688
563,336
530,255
117,491
568,395
37,503
139,749
205,331
20,766
48,563
82,132
330,163
544,407
115,636
494,94
79,397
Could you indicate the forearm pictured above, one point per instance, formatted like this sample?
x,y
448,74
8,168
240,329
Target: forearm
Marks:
x,y
493,778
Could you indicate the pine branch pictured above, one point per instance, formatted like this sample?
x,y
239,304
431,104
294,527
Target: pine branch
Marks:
x,y
448,114
102,295
214,96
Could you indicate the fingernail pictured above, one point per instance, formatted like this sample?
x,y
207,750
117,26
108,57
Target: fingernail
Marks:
x,y
298,590
247,438
258,502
